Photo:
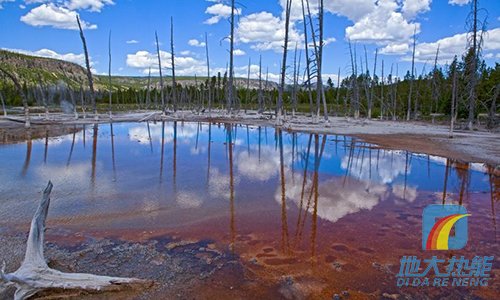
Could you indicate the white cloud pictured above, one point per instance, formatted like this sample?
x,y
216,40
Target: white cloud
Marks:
x,y
265,32
411,8
54,16
219,11
352,9
395,49
132,42
184,65
329,40
196,43
92,5
459,2
383,25
455,45
239,52
71,57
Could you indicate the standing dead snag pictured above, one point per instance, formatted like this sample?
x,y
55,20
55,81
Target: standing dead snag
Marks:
x,y
34,275
109,78
89,72
162,96
281,89
172,56
3,105
209,81
230,91
408,112
23,96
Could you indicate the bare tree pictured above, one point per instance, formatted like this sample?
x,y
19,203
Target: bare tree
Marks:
x,y
435,90
3,104
308,60
162,95
372,93
408,112
247,96
281,89
230,88
475,40
109,78
354,82
89,72
261,93
209,81
148,90
454,91
20,90
172,55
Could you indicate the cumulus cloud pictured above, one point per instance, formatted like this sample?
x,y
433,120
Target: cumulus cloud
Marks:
x,y
196,43
239,52
219,11
459,2
61,14
337,198
384,25
92,5
184,65
455,45
132,42
51,15
265,32
411,8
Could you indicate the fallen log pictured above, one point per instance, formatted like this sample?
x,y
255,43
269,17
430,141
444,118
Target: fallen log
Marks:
x,y
34,275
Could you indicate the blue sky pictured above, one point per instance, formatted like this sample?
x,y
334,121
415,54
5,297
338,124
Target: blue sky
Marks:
x,y
47,28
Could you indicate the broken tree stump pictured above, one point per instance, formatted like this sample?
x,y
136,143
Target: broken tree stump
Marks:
x,y
34,275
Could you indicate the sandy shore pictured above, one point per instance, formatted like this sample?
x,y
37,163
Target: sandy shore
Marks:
x,y
479,146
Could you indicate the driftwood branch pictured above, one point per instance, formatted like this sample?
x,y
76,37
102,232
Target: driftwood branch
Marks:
x,y
34,275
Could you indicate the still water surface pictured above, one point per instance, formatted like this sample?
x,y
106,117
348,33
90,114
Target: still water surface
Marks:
x,y
332,208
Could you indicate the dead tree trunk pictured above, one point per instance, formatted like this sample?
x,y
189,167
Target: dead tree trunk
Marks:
x,y
230,88
148,91
281,89
372,92
247,96
162,95
109,78
172,56
472,66
492,118
209,81
308,60
435,93
261,93
408,112
453,98
34,275
3,105
89,72
20,90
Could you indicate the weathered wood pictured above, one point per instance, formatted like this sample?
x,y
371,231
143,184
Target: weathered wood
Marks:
x,y
34,275
89,72
172,57
3,105
20,90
